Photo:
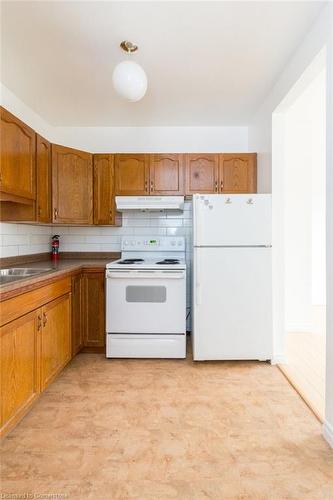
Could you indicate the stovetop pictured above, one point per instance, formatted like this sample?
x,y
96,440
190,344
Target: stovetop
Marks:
x,y
162,252
155,263
153,252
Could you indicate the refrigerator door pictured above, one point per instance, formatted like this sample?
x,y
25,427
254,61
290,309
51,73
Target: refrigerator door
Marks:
x,y
232,304
231,220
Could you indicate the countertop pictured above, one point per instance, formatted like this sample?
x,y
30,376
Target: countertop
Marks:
x,y
63,268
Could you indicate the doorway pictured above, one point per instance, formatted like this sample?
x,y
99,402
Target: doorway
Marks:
x,y
300,127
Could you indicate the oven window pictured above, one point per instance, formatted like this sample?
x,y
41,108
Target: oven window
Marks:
x,y
145,294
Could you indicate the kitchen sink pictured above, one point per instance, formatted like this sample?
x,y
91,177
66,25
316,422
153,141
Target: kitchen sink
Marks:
x,y
18,273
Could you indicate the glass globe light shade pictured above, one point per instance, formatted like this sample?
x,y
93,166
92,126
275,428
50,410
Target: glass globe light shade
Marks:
x,y
130,80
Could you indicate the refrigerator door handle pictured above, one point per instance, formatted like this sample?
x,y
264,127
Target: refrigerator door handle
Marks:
x,y
197,280
197,213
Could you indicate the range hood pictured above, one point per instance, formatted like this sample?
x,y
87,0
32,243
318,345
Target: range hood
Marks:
x,y
149,203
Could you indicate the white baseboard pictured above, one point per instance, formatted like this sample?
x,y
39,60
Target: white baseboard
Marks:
x,y
328,433
278,359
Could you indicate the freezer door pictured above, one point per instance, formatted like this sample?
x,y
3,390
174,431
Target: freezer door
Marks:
x,y
232,304
241,219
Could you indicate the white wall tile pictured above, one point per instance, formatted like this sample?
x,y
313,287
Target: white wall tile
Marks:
x,y
26,239
22,239
8,228
10,251
15,239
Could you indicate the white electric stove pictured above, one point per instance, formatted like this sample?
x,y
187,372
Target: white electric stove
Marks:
x,y
146,299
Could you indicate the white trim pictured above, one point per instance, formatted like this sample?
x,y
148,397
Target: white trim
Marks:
x,y
328,433
279,359
299,327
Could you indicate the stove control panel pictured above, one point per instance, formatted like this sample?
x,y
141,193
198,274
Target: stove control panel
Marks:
x,y
153,244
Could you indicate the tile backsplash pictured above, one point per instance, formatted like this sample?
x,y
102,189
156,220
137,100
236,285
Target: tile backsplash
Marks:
x,y
134,223
24,239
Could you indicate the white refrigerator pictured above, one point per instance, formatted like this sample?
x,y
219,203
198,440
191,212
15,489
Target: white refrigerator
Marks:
x,y
232,277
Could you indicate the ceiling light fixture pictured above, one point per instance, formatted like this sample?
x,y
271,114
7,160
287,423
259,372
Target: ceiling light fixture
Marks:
x,y
129,78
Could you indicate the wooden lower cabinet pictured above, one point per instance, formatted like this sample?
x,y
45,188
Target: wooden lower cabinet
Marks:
x,y
55,342
77,314
94,309
19,370
33,349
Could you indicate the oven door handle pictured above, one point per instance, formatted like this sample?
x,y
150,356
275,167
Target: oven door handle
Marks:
x,y
145,275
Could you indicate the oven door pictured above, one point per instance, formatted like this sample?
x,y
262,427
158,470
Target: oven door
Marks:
x,y
146,301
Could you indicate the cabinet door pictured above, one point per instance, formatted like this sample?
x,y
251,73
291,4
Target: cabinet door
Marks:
x,y
104,200
94,309
55,338
44,186
72,181
202,173
77,326
132,174
19,367
238,173
18,167
167,174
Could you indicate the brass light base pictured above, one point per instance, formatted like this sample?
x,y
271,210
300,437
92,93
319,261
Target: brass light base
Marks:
x,y
128,47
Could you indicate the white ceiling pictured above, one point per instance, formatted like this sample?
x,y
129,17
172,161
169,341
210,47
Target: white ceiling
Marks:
x,y
208,63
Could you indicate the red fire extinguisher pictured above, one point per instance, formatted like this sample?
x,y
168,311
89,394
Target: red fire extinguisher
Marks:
x,y
55,248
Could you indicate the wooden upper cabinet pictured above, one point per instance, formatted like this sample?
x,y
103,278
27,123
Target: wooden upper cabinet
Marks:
x,y
72,180
17,166
202,171
44,180
132,174
238,173
104,199
55,338
166,174
19,369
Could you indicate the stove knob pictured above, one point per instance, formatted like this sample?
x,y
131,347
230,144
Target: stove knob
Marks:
x,y
125,243
173,243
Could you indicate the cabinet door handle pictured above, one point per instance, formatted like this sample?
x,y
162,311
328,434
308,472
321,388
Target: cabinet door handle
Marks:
x,y
151,186
39,322
216,187
146,186
110,214
222,185
39,210
44,319
55,213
